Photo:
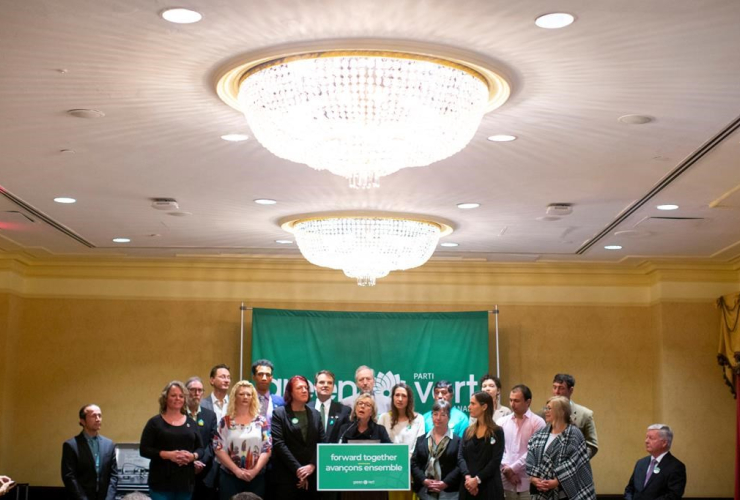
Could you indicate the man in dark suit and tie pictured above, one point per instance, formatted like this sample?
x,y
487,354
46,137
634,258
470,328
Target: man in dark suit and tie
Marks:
x,y
89,469
333,413
205,487
659,476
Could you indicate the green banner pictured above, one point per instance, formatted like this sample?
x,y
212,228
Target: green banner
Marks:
x,y
366,467
416,348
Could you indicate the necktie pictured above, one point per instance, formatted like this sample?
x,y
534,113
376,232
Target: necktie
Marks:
x,y
323,415
650,471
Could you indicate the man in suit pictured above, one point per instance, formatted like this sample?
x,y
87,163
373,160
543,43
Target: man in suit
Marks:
x,y
262,375
262,371
365,380
218,401
333,414
205,488
660,475
89,469
580,416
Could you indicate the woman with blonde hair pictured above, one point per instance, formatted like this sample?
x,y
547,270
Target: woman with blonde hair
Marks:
x,y
481,452
172,443
362,427
557,457
242,444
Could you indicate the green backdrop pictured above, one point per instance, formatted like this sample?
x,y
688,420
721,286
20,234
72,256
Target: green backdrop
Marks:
x,y
417,348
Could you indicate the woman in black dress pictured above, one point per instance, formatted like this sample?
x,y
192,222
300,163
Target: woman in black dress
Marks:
x,y
296,431
171,441
481,452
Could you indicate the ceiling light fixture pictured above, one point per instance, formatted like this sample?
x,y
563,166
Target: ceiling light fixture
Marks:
x,y
555,20
363,114
181,16
667,207
265,201
284,242
502,138
235,137
449,244
468,206
366,247
613,247
121,240
64,199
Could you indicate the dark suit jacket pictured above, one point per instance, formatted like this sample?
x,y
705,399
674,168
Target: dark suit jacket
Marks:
x,y
78,469
207,432
668,484
338,416
290,450
447,462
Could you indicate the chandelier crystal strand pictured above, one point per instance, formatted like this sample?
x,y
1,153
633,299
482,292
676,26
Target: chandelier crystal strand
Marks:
x,y
366,248
363,117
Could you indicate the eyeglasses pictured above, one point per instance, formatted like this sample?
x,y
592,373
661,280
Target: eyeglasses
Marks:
x,y
197,391
362,404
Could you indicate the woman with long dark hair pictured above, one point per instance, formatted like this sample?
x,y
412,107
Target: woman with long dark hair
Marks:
x,y
481,452
296,432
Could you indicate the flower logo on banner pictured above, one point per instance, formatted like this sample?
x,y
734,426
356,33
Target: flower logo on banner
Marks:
x,y
384,382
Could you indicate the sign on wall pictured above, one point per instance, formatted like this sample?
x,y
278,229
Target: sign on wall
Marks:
x,y
416,348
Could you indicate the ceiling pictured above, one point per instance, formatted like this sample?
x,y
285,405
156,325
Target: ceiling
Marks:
x,y
672,60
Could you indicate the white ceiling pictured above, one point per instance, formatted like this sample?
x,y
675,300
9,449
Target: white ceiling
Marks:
x,y
674,60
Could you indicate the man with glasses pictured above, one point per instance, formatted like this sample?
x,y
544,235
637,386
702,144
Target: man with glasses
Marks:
x,y
205,472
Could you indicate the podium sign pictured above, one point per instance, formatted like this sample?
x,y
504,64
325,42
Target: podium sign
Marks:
x,y
363,467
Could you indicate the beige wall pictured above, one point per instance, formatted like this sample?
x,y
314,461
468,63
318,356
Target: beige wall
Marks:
x,y
115,334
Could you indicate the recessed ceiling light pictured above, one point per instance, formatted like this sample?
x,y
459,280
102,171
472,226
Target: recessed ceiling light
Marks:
x,y
86,113
121,240
502,138
265,201
635,119
555,20
284,242
613,247
667,207
235,137
468,206
448,244
63,199
181,16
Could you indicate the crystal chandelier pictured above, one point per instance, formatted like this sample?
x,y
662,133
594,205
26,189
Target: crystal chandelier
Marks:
x,y
366,247
363,114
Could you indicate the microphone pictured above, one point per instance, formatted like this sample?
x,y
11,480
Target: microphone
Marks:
x,y
347,430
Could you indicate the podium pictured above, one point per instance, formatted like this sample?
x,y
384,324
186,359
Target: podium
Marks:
x,y
363,467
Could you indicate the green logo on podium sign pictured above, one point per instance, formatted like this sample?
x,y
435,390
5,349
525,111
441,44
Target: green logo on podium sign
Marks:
x,y
365,467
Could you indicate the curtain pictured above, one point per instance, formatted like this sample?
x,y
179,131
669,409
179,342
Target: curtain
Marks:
x,y
729,359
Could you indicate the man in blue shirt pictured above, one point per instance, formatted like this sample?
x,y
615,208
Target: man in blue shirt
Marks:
x,y
458,420
89,469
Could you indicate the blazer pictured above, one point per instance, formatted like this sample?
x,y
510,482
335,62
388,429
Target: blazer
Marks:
x,y
337,417
482,458
583,418
447,462
290,450
207,426
667,484
78,469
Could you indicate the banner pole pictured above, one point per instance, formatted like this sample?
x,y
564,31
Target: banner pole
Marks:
x,y
498,365
241,341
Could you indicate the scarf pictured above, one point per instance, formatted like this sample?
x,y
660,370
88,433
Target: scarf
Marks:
x,y
433,469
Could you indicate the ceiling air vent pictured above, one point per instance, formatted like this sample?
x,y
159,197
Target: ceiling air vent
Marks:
x,y
669,224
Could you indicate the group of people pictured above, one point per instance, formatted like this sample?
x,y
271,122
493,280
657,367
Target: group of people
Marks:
x,y
244,439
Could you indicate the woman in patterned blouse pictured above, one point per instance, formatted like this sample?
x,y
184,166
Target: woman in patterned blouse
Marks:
x,y
242,444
